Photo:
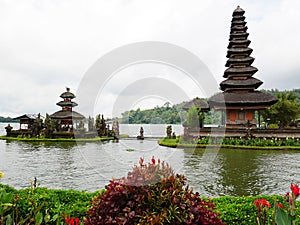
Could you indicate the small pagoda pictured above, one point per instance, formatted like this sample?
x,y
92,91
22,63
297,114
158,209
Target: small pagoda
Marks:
x,y
240,99
66,116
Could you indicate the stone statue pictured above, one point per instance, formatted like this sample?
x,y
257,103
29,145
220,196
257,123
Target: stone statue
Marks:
x,y
8,129
169,131
115,129
141,136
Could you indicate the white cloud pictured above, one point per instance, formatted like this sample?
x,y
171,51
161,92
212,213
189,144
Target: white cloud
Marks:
x,y
47,45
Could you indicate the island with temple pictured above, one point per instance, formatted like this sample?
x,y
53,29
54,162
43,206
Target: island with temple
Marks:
x,y
240,103
64,124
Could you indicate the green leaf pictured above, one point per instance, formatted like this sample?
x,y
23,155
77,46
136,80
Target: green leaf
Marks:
x,y
38,218
47,218
282,217
8,220
54,218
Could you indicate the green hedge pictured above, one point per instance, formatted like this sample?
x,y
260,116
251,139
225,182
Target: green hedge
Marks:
x,y
42,204
241,210
241,143
31,204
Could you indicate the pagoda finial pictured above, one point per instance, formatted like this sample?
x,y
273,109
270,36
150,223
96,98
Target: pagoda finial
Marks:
x,y
68,89
238,10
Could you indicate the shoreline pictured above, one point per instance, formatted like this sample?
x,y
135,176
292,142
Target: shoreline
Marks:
x,y
161,142
57,139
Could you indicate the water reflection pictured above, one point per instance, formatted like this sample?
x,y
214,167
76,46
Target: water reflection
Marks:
x,y
239,172
242,172
278,169
202,174
90,166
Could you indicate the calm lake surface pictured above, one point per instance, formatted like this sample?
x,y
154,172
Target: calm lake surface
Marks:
x,y
90,166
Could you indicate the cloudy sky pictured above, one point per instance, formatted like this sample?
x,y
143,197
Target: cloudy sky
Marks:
x,y
48,45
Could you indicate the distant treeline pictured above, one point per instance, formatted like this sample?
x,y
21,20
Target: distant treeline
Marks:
x,y
7,120
274,92
167,114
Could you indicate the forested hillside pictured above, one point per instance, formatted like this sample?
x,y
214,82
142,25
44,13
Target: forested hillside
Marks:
x,y
167,114
276,91
7,120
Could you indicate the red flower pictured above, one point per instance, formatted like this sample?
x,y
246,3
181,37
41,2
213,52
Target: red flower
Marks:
x,y
68,220
153,160
174,199
295,189
280,205
72,221
262,203
257,203
141,161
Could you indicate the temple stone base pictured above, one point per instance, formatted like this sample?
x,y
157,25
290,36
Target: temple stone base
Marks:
x,y
245,132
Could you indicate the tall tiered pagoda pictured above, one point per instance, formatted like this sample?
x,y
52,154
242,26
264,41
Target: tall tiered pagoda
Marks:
x,y
67,115
240,99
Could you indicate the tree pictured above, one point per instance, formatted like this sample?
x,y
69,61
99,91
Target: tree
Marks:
x,y
37,126
285,111
169,131
192,118
98,122
167,105
49,126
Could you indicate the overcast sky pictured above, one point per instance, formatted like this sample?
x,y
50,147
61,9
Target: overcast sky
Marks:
x,y
48,45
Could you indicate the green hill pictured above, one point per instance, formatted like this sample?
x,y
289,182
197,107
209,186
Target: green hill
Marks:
x,y
167,114
7,120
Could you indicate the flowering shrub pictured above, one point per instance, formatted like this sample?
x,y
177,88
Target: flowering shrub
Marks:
x,y
283,213
262,206
151,194
71,220
287,214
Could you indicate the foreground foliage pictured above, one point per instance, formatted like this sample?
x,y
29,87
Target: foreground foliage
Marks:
x,y
151,194
41,205
284,212
74,204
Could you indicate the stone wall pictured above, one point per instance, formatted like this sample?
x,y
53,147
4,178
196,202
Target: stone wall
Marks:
x,y
245,132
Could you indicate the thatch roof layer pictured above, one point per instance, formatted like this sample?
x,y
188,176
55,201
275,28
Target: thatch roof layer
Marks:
x,y
244,70
242,98
199,103
232,83
66,104
65,114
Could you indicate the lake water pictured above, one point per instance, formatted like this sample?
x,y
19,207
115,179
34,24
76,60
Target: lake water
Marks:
x,y
90,166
